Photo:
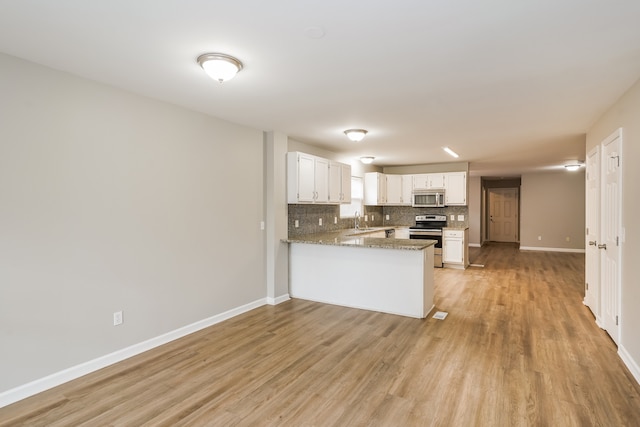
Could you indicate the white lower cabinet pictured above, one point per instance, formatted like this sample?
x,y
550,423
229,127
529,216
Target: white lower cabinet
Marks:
x,y
455,252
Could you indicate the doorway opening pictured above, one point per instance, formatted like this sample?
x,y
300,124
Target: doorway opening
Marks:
x,y
500,210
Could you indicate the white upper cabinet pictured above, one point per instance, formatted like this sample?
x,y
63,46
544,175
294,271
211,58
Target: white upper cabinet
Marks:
x,y
428,181
375,189
455,186
339,183
399,189
407,189
382,189
307,178
394,189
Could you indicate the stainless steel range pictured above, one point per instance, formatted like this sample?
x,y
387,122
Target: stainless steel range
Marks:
x,y
430,227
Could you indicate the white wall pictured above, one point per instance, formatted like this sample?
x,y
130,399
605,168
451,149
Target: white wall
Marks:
x,y
552,206
625,114
111,201
475,209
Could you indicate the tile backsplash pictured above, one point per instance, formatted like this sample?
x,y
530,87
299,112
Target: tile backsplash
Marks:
x,y
308,217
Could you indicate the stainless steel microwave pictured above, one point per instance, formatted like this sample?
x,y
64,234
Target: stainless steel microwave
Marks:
x,y
427,199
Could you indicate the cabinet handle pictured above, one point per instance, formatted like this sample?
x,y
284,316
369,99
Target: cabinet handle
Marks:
x,y
592,242
603,246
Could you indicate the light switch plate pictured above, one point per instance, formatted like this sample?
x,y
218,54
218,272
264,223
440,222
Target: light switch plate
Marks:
x,y
296,223
453,217
460,217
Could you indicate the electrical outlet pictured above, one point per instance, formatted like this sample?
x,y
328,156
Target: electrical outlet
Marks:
x,y
366,218
568,239
453,217
460,217
539,237
372,218
296,223
261,225
319,221
335,219
387,217
117,318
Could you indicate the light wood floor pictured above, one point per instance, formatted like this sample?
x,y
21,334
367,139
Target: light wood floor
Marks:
x,y
518,348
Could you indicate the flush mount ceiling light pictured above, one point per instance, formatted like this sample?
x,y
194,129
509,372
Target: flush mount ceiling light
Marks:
x,y
219,66
573,166
355,135
367,160
450,152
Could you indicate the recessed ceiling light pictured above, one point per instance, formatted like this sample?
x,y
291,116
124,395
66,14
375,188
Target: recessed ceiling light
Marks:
x,y
367,160
355,135
450,152
219,66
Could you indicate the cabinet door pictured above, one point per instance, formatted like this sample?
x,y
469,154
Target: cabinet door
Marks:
x,y
452,250
394,189
421,181
456,188
375,186
407,186
335,182
306,178
322,180
435,181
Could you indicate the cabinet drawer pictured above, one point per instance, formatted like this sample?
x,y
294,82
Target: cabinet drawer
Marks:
x,y
454,233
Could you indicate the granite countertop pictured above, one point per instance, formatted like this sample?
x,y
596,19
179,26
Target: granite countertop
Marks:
x,y
455,228
358,238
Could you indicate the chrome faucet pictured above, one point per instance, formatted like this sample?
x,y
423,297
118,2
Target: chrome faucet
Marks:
x,y
356,220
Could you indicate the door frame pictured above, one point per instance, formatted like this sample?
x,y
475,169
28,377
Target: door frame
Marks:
x,y
487,183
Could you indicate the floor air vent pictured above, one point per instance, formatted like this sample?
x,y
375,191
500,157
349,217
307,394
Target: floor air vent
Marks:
x,y
440,315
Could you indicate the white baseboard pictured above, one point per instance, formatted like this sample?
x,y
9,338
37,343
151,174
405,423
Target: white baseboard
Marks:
x,y
278,300
629,362
475,245
26,390
536,248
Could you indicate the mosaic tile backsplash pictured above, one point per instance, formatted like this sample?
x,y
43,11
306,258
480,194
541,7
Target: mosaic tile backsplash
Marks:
x,y
308,217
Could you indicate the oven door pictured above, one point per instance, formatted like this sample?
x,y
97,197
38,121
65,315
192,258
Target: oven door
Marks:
x,y
430,235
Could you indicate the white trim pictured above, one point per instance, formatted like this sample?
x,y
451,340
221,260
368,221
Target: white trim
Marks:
x,y
34,387
278,300
629,362
536,248
475,245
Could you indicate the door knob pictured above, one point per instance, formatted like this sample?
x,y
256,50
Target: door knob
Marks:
x,y
592,243
603,246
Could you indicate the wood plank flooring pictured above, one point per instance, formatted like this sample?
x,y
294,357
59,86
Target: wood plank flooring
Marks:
x,y
518,348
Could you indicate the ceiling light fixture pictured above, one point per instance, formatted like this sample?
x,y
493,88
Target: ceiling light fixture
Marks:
x,y
573,166
450,152
367,160
355,135
219,66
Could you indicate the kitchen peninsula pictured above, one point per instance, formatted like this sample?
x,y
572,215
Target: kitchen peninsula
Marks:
x,y
350,269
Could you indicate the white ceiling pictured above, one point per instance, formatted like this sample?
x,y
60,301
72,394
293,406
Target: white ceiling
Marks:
x,y
512,86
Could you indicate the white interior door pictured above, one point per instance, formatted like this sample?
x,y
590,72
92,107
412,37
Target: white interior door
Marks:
x,y
610,227
592,220
503,214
